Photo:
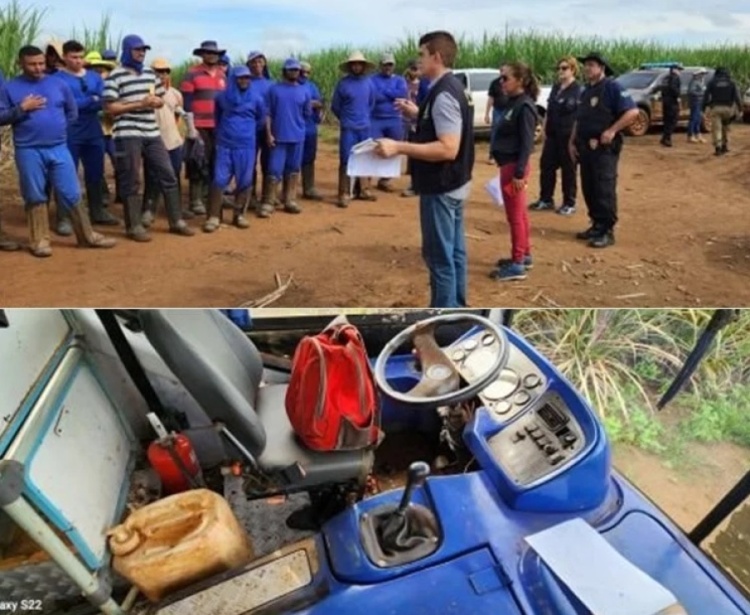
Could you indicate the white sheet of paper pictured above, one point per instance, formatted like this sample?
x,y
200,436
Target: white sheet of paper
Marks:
x,y
363,162
601,578
492,187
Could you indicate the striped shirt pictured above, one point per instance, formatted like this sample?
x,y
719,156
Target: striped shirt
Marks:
x,y
200,88
124,86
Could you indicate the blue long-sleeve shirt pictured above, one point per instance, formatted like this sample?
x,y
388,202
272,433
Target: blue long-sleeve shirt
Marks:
x,y
289,108
87,91
317,115
387,89
44,127
353,101
261,87
237,123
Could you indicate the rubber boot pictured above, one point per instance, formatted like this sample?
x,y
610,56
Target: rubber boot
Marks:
x,y
38,221
342,200
309,191
97,213
241,203
365,190
134,228
270,197
6,243
172,204
196,198
384,185
291,182
85,234
63,226
106,193
215,207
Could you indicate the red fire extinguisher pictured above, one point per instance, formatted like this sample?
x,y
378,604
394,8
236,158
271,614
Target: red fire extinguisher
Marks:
x,y
174,460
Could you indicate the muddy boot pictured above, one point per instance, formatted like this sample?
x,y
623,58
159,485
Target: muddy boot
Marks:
x,y
85,234
177,225
134,228
241,203
308,183
6,243
63,226
343,197
106,194
365,190
196,198
384,185
148,212
38,220
97,213
290,194
215,206
270,197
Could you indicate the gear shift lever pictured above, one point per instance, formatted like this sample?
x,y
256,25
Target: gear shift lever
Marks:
x,y
407,527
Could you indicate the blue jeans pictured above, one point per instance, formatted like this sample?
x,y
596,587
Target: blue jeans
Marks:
x,y
694,127
444,249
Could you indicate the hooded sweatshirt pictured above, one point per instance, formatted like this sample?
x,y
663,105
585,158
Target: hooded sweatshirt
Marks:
x,y
45,127
353,102
387,90
88,90
239,115
289,109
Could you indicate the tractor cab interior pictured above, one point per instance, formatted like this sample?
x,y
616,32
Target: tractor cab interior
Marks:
x,y
493,485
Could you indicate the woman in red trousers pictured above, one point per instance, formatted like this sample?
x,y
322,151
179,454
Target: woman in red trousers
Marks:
x,y
513,144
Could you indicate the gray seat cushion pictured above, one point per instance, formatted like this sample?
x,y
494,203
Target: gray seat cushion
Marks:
x,y
283,449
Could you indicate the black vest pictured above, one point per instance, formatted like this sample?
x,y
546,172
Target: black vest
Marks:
x,y
442,177
593,117
722,91
561,110
507,138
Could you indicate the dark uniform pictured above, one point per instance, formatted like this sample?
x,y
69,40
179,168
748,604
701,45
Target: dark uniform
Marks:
x,y
670,97
562,107
722,96
602,104
499,103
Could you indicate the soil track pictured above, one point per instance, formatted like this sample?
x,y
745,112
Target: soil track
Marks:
x,y
683,240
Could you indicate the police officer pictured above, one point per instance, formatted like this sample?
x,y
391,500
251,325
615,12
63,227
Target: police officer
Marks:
x,y
670,98
723,98
604,111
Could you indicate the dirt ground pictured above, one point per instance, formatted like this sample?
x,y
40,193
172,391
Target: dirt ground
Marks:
x,y
683,240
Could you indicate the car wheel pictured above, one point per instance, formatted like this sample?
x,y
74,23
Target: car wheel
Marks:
x,y
641,125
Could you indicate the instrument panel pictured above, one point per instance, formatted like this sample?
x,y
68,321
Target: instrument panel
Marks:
x,y
543,439
517,386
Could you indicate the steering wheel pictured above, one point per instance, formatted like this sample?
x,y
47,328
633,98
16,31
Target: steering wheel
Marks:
x,y
440,380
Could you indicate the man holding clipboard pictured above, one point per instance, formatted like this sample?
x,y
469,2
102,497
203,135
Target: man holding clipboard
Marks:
x,y
442,158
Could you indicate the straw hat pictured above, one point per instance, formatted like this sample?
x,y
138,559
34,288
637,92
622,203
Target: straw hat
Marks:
x,y
161,64
355,57
56,46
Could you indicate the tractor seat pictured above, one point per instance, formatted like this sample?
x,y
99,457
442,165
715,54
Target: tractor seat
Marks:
x,y
222,369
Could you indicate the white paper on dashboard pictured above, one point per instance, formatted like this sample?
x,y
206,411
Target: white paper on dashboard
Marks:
x,y
364,162
602,579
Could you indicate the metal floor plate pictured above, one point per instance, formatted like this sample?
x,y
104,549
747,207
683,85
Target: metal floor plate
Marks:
x,y
265,520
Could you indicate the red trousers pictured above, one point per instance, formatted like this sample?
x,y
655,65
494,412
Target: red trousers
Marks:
x,y
517,212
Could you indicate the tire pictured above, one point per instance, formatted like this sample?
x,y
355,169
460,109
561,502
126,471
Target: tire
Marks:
x,y
641,125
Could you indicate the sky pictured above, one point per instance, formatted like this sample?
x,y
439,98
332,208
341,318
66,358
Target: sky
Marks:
x,y
284,27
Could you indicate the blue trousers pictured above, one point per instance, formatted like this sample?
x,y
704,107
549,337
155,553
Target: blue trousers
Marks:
x,y
285,159
43,167
109,148
391,128
310,148
91,154
444,249
348,138
696,117
234,163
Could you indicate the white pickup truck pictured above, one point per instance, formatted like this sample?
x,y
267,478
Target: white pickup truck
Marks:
x,y
477,82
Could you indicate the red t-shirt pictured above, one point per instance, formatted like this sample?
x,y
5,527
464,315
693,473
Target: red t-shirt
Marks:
x,y
201,85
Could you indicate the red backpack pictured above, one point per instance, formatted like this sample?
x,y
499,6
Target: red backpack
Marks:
x,y
332,401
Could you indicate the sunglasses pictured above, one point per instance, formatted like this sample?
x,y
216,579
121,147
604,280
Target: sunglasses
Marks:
x,y
504,78
563,67
164,71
